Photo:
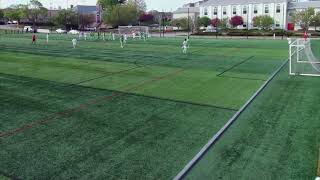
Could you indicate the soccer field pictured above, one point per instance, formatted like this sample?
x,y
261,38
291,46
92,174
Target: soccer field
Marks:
x,y
102,112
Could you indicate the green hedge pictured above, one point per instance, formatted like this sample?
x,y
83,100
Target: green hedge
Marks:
x,y
256,32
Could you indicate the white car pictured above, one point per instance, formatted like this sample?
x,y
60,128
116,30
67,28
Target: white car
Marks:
x,y
73,32
60,31
27,29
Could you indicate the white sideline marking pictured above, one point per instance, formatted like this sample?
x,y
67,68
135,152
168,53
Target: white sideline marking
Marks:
x,y
216,137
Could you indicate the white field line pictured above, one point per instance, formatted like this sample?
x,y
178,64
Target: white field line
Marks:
x,y
216,137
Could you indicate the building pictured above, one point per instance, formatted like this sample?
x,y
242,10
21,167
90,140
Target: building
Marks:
x,y
248,9
82,9
191,9
279,10
89,16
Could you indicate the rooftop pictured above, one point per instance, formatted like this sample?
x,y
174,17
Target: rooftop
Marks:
x,y
304,5
228,2
185,10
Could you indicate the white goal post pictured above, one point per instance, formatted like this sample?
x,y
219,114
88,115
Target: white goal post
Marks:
x,y
130,30
301,58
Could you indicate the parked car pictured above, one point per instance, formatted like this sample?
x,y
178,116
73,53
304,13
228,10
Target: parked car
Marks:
x,y
73,32
90,28
60,31
12,22
28,29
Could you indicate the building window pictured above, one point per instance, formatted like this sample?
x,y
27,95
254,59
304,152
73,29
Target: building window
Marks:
x,y
234,10
205,11
278,8
255,9
266,9
215,11
224,11
277,24
244,10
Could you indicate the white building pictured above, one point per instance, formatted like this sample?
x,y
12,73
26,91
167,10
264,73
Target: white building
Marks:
x,y
248,9
280,10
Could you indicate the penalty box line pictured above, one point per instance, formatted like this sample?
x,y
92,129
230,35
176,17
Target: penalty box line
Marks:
x,y
86,105
234,66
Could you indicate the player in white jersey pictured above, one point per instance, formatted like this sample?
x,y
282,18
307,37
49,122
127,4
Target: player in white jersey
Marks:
x,y
134,35
185,46
74,43
122,41
125,37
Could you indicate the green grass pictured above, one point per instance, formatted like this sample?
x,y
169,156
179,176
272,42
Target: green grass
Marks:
x,y
102,112
277,137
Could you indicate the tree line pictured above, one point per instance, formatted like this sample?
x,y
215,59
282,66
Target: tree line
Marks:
x,y
115,13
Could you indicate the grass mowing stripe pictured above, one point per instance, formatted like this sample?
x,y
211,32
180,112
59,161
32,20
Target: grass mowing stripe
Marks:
x,y
116,73
217,136
84,106
235,65
129,93
119,72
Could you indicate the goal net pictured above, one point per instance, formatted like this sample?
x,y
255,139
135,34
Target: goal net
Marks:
x,y
302,59
134,30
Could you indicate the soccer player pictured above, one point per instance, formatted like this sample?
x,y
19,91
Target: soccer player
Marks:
x,y
305,35
122,41
113,37
185,46
125,37
47,38
134,35
145,36
74,43
34,39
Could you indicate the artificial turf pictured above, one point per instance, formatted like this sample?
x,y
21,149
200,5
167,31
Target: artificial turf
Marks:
x,y
277,137
103,112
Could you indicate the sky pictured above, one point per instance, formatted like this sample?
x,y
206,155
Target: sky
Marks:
x,y
167,5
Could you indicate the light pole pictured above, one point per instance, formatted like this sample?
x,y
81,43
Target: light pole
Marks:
x,y
119,2
188,22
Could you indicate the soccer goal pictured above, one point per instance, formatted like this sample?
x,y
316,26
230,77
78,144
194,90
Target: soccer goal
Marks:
x,y
302,60
131,31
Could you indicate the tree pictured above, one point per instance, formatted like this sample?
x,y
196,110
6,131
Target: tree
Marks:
x,y
223,23
67,18
179,23
204,21
146,18
236,21
316,21
34,11
15,12
140,4
215,22
182,23
304,18
1,14
264,22
105,4
121,14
